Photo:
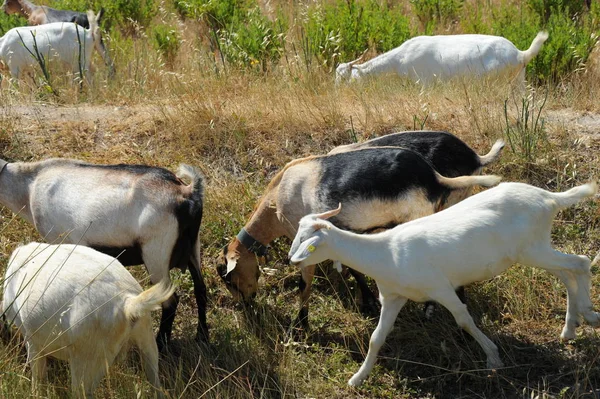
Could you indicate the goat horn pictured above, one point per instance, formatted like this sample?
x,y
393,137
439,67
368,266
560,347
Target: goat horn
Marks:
x,y
328,214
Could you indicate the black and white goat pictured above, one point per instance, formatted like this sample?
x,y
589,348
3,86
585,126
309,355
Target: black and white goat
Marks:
x,y
427,258
448,154
382,187
138,213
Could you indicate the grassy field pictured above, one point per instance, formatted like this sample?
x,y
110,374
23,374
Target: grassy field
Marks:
x,y
240,126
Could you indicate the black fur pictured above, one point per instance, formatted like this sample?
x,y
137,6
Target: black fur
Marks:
x,y
189,218
375,173
448,154
129,256
80,18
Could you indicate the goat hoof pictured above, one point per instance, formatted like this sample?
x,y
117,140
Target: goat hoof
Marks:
x,y
355,381
568,334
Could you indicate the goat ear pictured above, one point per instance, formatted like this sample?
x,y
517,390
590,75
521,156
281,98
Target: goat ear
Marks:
x,y
231,264
319,224
99,15
305,249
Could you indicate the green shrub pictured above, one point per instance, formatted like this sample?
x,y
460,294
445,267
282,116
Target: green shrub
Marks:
x,y
568,46
218,14
8,22
431,11
340,31
167,41
251,40
545,8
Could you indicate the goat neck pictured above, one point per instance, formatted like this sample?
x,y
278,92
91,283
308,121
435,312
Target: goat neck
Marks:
x,y
367,254
264,224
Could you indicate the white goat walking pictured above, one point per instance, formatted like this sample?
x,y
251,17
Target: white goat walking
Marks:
x,y
427,58
69,43
76,304
474,240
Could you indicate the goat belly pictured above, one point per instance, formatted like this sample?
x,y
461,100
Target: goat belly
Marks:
x,y
128,256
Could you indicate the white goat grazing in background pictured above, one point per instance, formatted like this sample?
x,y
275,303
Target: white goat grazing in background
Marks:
x,y
24,47
476,239
76,304
427,58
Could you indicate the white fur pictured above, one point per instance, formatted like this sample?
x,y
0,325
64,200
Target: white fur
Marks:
x,y
79,305
57,41
427,58
474,240
96,207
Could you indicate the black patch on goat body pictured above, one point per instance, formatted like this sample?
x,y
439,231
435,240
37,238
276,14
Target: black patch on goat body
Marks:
x,y
128,256
448,154
189,217
54,15
188,213
375,173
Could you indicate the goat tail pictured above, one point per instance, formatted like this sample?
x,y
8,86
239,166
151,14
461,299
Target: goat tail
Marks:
x,y
535,47
574,195
494,153
149,300
454,183
197,178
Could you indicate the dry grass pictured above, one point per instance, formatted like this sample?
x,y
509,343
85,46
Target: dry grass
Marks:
x,y
240,128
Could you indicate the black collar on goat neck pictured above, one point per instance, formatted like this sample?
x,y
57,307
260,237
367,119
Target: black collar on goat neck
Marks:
x,y
251,244
3,164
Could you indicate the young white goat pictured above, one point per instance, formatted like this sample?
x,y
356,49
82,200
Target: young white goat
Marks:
x,y
76,304
476,239
69,43
426,58
138,213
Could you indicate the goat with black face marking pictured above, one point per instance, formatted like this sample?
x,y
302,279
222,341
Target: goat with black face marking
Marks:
x,y
147,212
381,187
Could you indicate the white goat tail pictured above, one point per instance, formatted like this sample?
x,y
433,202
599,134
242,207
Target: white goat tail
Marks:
x,y
149,300
468,181
494,153
576,194
535,47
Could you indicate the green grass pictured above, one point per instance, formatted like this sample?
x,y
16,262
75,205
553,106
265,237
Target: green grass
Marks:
x,y
241,123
